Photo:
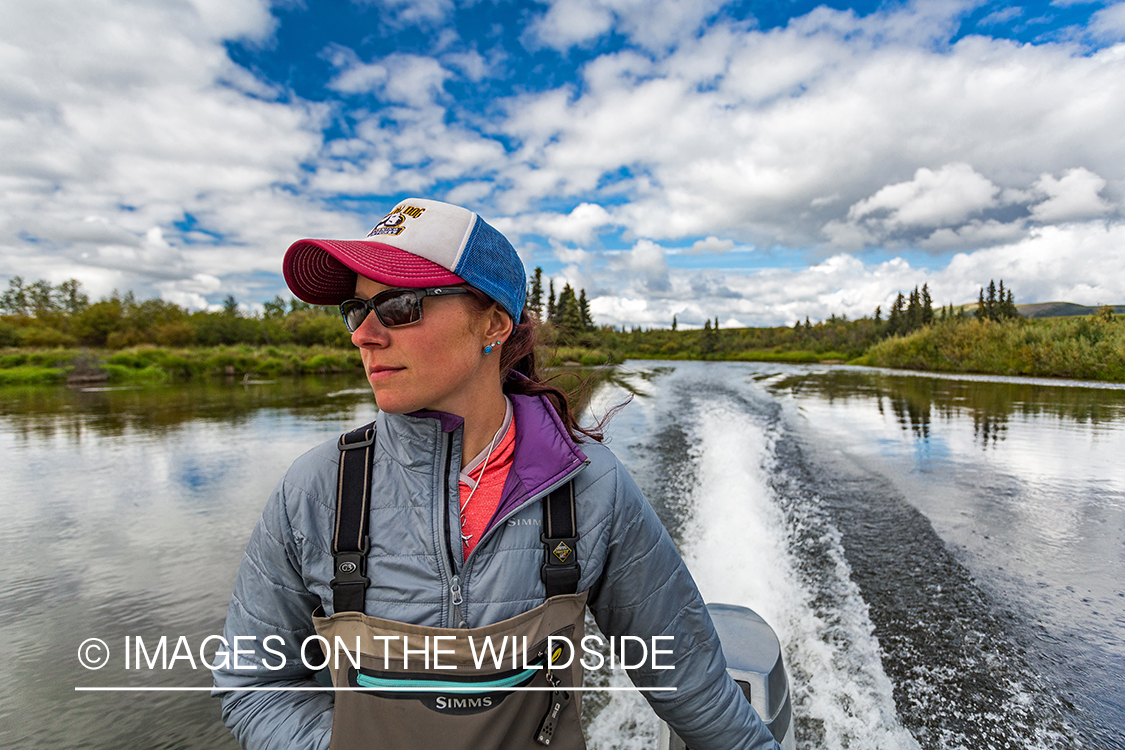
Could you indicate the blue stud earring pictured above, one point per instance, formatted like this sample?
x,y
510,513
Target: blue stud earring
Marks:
x,y
488,349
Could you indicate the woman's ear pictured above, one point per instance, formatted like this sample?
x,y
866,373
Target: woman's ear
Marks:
x,y
499,324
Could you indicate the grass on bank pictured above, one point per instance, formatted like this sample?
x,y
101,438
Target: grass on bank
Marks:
x,y
1085,348
1082,348
150,364
146,364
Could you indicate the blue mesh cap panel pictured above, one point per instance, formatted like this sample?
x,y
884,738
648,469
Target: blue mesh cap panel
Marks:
x,y
491,264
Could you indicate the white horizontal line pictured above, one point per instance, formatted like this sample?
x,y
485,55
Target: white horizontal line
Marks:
x,y
293,689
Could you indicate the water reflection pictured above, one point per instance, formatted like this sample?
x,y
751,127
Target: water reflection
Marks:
x,y
47,412
991,404
125,513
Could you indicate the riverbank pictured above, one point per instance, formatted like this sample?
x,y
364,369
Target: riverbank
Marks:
x,y
151,364
1088,347
1080,348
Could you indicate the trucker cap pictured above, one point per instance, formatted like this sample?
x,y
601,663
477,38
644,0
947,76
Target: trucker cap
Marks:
x,y
420,243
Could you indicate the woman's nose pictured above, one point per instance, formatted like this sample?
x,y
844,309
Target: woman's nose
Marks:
x,y
371,332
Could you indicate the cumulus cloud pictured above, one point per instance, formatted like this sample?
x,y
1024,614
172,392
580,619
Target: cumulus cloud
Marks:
x,y
580,226
1108,24
1065,262
124,130
134,152
770,138
651,24
402,13
647,266
933,198
711,244
1072,197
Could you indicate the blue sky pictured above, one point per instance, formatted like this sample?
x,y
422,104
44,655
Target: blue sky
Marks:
x,y
756,161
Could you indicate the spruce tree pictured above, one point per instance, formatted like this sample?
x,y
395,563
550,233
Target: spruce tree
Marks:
x,y
707,339
584,310
568,312
535,294
913,312
551,302
927,306
895,321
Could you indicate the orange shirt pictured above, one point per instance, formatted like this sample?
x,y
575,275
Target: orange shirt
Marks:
x,y
484,501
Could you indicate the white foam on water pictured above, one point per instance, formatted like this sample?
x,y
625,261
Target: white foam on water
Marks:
x,y
738,548
737,541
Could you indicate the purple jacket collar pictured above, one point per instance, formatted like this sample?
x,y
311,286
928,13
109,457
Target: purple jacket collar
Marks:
x,y
544,453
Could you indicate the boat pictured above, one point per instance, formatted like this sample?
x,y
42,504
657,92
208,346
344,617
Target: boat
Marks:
x,y
754,660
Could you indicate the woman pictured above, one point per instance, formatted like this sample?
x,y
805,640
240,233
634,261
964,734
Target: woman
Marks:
x,y
474,510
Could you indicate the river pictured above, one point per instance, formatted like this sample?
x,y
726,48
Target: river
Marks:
x,y
942,558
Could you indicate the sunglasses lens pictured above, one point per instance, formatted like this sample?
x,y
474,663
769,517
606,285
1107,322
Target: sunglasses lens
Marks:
x,y
398,308
354,312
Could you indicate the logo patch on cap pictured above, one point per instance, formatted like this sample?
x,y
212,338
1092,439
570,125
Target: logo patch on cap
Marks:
x,y
562,551
395,222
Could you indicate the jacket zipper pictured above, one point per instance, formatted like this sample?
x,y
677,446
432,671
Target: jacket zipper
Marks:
x,y
455,597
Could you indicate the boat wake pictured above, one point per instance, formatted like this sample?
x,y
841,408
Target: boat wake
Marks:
x,y
712,450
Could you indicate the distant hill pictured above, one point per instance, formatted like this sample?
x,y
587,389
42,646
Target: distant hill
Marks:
x,y
1057,309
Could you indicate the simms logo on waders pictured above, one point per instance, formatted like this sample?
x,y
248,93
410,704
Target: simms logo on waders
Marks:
x,y
443,702
562,551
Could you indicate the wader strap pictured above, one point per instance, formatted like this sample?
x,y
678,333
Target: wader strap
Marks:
x,y
560,572
349,544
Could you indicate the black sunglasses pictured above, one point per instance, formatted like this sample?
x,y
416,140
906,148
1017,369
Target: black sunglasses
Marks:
x,y
394,307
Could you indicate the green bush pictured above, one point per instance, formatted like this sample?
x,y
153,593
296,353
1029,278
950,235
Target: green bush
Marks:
x,y
31,375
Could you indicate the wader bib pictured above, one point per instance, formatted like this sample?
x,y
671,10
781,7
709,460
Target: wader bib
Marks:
x,y
462,707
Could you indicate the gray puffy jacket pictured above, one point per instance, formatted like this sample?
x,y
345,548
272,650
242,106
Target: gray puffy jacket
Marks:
x,y
638,583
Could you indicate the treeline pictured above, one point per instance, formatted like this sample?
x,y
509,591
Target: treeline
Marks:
x,y
835,339
912,335
42,315
568,314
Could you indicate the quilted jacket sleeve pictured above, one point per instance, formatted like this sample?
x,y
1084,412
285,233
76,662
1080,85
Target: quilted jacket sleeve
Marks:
x,y
270,616
646,590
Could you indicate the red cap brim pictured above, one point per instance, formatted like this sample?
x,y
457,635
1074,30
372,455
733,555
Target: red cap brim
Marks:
x,y
323,272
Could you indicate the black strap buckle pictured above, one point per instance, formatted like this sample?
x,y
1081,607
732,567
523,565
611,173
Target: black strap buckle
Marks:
x,y
349,587
351,567
346,445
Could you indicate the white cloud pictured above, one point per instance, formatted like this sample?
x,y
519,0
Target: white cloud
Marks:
x,y
973,235
948,196
1065,263
1109,22
581,225
711,244
134,117
401,13
570,22
1072,197
134,152
648,266
651,24
769,137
